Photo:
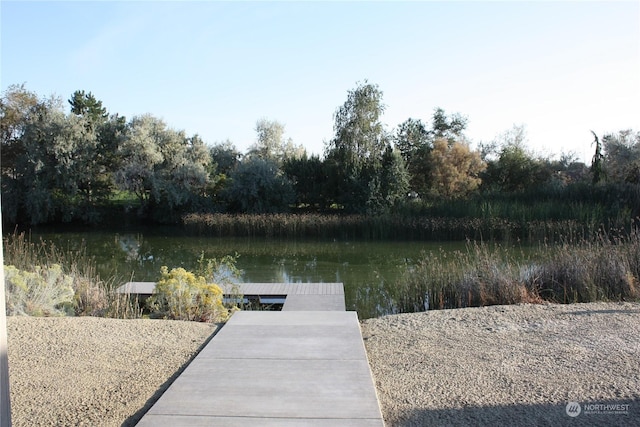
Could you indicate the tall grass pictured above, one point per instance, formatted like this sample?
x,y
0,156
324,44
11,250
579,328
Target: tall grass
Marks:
x,y
92,295
390,226
605,269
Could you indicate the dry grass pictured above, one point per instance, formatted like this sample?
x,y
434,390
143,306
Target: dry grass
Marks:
x,y
92,295
606,269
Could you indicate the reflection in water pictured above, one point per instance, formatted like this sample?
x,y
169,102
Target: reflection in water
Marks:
x,y
129,245
366,269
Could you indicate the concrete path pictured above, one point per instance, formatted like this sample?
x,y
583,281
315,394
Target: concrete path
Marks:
x,y
266,368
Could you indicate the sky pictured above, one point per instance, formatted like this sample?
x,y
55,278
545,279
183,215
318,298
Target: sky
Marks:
x,y
560,68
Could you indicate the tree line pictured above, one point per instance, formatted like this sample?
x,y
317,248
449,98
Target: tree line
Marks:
x,y
79,163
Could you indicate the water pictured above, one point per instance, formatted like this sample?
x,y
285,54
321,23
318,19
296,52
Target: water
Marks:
x,y
365,268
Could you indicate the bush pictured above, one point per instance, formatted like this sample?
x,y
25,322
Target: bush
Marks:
x,y
45,291
182,295
92,296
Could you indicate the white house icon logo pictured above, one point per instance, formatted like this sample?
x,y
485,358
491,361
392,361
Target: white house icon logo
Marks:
x,y
573,409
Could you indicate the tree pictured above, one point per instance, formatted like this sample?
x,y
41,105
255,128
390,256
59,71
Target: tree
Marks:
x,y
309,178
17,105
258,186
96,141
449,128
164,168
454,169
271,144
225,156
141,154
86,105
597,169
395,178
515,169
414,143
31,193
622,156
355,153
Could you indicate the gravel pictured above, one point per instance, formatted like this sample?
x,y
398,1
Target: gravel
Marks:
x,y
502,365
87,371
519,365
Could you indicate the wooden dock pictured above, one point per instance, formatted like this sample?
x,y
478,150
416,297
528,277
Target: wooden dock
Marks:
x,y
303,366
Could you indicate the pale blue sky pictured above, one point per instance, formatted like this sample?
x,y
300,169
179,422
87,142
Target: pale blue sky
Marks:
x,y
215,68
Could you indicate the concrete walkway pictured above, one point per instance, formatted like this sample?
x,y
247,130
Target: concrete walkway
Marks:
x,y
276,368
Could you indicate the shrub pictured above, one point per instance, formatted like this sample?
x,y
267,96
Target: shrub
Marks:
x,y
182,295
92,296
45,291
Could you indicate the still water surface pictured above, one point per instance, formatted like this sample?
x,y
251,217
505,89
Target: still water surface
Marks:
x,y
366,268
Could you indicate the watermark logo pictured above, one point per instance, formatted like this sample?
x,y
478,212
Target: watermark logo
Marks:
x,y
573,409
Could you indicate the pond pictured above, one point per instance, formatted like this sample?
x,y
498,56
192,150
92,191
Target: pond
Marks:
x,y
365,268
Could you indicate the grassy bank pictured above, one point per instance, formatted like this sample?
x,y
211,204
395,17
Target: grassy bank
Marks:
x,y
603,269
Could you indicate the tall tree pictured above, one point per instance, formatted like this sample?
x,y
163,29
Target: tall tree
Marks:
x,y
259,186
446,127
395,178
309,178
622,156
355,152
271,143
165,169
415,141
86,105
597,168
515,169
226,157
17,105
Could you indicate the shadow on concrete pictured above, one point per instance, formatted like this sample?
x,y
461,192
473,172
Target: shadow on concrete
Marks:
x,y
135,418
592,413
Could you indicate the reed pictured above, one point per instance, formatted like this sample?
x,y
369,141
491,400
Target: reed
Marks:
x,y
607,268
384,227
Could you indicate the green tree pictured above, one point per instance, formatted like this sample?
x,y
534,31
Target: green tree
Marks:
x,y
309,177
622,156
355,153
415,142
271,144
597,168
32,193
395,178
446,127
259,186
225,156
164,168
17,105
86,105
515,169
140,151
93,155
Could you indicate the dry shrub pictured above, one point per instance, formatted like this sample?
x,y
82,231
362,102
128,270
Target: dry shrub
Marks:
x,y
90,295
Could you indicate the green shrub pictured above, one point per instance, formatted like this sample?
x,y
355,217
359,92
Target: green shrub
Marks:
x,y
45,291
182,295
